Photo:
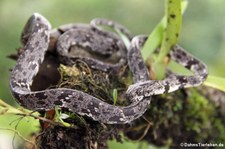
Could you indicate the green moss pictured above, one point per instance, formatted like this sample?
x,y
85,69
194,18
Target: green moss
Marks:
x,y
182,116
94,82
202,118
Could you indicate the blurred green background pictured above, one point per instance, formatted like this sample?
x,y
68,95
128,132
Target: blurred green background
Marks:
x,y
202,32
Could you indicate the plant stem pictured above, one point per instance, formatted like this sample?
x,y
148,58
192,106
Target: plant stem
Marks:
x,y
173,27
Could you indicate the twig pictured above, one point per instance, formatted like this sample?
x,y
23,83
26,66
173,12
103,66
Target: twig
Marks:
x,y
40,118
146,130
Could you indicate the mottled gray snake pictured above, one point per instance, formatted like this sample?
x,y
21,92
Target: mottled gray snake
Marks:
x,y
35,38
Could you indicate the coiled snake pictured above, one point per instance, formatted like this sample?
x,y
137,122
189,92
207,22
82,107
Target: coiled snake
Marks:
x,y
36,39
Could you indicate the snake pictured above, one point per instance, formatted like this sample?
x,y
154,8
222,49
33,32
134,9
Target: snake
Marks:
x,y
36,37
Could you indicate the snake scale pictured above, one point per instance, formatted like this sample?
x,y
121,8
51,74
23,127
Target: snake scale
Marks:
x,y
36,36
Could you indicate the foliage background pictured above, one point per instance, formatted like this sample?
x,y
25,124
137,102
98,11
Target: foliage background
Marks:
x,y
202,32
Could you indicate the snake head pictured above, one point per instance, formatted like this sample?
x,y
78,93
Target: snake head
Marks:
x,y
35,22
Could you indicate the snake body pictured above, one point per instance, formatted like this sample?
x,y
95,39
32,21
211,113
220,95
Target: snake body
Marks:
x,y
100,44
36,36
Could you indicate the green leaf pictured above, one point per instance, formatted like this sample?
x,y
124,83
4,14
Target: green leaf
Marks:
x,y
8,109
59,117
124,38
173,27
9,119
115,96
215,82
155,38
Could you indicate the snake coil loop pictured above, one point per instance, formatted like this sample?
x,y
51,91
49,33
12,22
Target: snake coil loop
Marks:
x,y
36,36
